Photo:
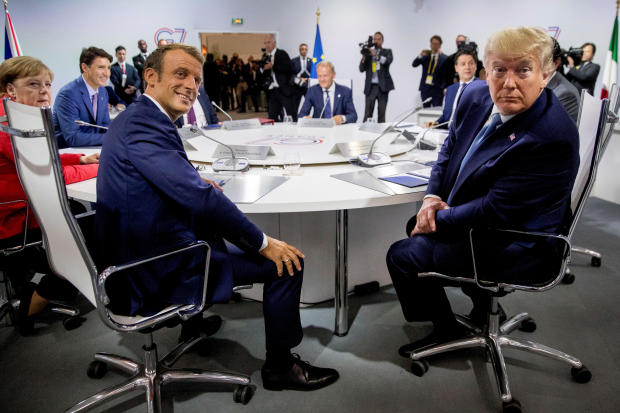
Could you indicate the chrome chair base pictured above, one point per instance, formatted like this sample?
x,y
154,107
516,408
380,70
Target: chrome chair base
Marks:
x,y
494,338
154,373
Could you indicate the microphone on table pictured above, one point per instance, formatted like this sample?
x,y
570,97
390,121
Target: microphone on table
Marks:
x,y
221,110
379,158
82,123
231,163
420,138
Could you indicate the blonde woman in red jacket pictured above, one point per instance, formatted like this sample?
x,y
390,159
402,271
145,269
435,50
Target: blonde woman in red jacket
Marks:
x,y
28,81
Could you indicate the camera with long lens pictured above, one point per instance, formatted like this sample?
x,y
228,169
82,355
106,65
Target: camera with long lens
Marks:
x,y
366,46
576,53
468,46
265,58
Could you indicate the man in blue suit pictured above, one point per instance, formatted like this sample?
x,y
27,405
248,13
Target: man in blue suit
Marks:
x,y
329,99
151,199
509,161
84,99
203,112
431,82
465,65
124,77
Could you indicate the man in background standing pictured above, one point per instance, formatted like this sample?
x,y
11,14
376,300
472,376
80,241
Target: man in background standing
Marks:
x,y
431,82
279,91
302,65
139,60
376,63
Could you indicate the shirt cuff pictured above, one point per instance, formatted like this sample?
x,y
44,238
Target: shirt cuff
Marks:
x,y
431,196
265,243
344,119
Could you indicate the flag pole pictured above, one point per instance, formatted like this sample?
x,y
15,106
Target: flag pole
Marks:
x,y
318,12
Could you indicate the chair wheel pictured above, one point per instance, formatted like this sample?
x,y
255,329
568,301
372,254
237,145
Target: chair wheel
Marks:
x,y
419,367
568,278
512,406
96,369
581,375
243,394
595,261
71,323
528,325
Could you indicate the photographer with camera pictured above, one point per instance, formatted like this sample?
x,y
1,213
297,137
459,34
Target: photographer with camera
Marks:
x,y
449,75
582,72
275,65
431,82
376,63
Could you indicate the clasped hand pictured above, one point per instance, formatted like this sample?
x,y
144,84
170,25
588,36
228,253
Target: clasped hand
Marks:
x,y
426,216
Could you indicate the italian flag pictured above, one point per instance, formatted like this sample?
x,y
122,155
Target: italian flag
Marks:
x,y
610,74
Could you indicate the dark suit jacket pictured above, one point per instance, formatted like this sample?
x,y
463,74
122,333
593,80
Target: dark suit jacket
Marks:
x,y
584,77
133,78
149,199
139,62
342,105
438,81
448,102
207,108
296,67
283,71
567,94
72,103
520,177
385,79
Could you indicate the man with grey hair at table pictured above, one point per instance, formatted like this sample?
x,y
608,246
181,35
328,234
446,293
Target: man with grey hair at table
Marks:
x,y
509,161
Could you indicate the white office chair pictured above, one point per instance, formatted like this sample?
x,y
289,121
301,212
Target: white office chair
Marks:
x,y
40,173
614,108
494,336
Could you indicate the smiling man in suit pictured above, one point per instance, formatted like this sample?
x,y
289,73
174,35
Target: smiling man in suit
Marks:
x,y
509,161
329,99
151,198
85,99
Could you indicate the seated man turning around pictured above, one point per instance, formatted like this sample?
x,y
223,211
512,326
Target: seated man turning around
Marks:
x,y
329,99
151,199
509,162
84,99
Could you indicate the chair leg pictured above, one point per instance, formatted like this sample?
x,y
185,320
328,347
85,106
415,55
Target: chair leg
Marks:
x,y
586,251
201,376
463,343
121,363
499,367
108,394
169,359
532,347
513,323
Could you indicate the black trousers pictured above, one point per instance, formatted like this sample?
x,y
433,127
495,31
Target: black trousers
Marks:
x,y
276,101
376,95
432,92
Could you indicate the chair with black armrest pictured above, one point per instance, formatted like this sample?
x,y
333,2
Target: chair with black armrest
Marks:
x,y
612,114
494,336
38,166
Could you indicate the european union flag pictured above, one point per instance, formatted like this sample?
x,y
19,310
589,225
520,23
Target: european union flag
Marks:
x,y
317,55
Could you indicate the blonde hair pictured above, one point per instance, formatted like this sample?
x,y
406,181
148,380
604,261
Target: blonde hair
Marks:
x,y
515,42
20,67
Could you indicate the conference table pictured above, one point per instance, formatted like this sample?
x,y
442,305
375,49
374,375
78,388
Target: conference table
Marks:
x,y
302,207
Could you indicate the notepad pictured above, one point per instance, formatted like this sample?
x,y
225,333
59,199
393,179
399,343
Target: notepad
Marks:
x,y
424,172
407,180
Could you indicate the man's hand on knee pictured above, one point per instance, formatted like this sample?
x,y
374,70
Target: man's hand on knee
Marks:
x,y
282,254
426,216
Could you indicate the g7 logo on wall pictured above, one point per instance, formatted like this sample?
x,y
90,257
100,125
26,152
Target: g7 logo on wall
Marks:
x,y
170,35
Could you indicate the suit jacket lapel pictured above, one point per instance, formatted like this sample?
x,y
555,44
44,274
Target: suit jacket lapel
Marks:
x,y
86,98
337,100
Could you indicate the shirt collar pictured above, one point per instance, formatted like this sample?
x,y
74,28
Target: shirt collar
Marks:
x,y
332,88
504,118
158,105
91,91
470,80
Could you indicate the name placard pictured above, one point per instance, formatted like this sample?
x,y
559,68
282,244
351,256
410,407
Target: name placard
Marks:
x,y
256,152
373,127
351,149
241,124
316,123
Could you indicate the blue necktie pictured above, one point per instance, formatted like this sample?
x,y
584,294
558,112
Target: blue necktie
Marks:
x,y
496,122
327,112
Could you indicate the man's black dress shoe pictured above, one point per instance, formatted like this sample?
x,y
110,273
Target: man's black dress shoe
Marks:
x,y
436,337
301,376
198,325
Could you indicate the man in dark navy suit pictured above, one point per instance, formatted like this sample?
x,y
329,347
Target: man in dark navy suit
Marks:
x,y
465,67
150,199
329,99
124,77
302,66
84,99
139,60
279,91
509,161
431,81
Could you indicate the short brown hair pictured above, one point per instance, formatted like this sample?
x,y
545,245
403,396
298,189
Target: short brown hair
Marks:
x,y
19,67
156,59
88,55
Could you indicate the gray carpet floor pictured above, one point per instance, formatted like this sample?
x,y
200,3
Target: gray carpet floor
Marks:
x,y
47,372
